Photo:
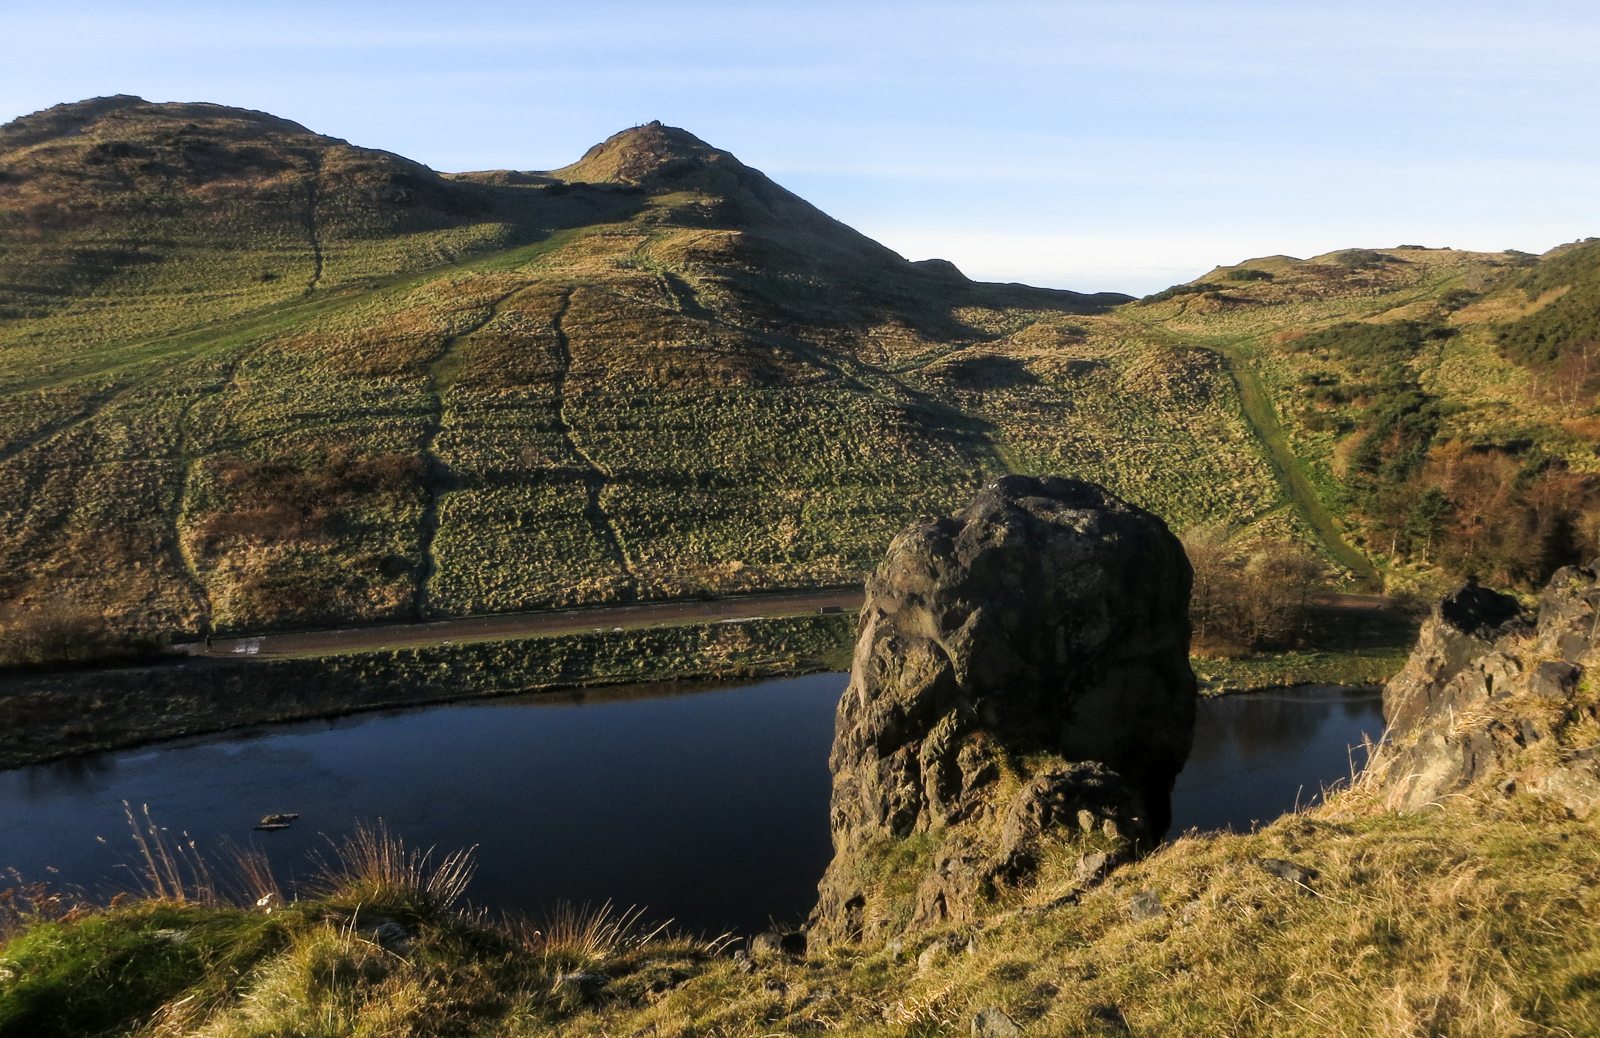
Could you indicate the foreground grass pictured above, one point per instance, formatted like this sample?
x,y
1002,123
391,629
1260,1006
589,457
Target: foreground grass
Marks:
x,y
1473,919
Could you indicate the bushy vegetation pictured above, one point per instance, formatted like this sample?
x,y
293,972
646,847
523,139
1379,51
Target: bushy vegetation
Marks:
x,y
1367,372
56,634
1249,598
1514,513
1562,340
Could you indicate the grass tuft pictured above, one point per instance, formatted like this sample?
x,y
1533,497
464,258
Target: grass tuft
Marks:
x,y
371,866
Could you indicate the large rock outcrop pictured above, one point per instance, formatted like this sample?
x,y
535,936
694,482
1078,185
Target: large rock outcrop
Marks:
x,y
1021,673
1495,703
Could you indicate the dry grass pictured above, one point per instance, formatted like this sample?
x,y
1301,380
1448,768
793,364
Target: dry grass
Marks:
x,y
1466,922
1475,920
584,932
370,865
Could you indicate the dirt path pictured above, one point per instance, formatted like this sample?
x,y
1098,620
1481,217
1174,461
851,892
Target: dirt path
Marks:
x,y
1263,416
520,625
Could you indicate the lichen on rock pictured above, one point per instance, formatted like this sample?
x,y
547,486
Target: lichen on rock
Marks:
x,y
1021,675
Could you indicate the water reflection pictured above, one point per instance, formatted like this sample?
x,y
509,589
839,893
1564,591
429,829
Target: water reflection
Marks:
x,y
709,807
1255,756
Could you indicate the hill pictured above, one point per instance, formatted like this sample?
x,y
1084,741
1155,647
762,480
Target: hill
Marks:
x,y
1440,403
255,377
258,378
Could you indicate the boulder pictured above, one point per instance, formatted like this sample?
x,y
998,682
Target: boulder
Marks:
x,y
1021,670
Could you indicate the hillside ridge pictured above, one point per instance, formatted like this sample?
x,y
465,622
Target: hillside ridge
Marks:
x,y
256,378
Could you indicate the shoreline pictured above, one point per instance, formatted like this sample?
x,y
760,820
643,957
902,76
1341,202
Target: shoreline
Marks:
x,y
200,725
50,717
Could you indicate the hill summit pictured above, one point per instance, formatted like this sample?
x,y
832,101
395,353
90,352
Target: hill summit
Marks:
x,y
652,155
258,377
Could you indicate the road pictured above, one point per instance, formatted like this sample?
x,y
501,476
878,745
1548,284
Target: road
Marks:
x,y
574,621
521,625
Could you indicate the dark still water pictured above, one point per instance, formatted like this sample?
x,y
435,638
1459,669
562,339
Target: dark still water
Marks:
x,y
710,808
1256,756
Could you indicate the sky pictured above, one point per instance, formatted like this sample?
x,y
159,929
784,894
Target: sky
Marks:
x,y
1096,146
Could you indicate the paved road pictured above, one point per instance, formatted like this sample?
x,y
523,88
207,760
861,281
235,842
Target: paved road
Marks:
x,y
517,625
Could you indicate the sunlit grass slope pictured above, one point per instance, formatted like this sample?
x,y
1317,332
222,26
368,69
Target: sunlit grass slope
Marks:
x,y
1441,403
651,374
1467,920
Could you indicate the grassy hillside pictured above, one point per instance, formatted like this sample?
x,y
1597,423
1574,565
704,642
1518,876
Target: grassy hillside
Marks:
x,y
653,373
252,377
1440,404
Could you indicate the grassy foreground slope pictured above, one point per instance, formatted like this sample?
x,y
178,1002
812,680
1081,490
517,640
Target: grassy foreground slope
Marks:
x,y
1474,919
253,377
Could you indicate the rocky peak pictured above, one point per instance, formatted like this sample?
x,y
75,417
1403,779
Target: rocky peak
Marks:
x,y
652,155
1021,673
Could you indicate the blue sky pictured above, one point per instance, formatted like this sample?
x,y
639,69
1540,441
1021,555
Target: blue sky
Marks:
x,y
1122,145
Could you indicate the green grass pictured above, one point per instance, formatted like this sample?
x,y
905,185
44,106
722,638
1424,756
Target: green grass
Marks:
x,y
103,973
1291,470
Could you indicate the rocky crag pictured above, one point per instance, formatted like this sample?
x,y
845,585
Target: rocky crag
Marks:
x,y
1021,678
1495,702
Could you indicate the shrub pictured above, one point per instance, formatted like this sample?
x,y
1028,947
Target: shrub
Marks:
x,y
1247,274
56,634
1247,600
